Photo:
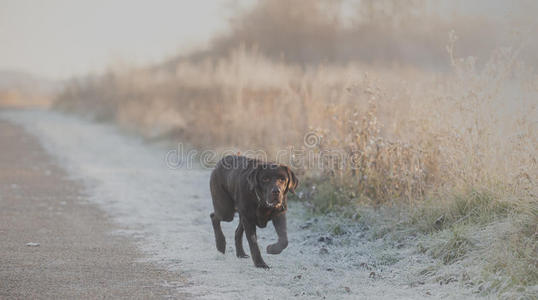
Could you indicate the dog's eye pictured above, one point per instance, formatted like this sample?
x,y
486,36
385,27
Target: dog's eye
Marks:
x,y
281,179
265,179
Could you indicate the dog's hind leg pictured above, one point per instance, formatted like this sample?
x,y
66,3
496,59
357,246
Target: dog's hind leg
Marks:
x,y
223,207
239,251
219,236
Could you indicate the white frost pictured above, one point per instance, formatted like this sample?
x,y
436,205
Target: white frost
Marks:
x,y
167,213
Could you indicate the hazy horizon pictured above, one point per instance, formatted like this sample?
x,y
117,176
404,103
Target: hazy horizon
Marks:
x,y
59,39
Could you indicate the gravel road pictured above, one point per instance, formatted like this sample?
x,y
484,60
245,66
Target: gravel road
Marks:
x,y
54,243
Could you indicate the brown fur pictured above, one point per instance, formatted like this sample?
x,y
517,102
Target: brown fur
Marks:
x,y
257,191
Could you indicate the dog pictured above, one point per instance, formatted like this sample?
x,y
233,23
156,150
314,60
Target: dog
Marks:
x,y
258,192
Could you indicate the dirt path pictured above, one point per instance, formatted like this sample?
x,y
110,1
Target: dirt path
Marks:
x,y
166,211
77,256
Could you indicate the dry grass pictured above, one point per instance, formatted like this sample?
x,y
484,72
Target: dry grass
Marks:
x,y
403,139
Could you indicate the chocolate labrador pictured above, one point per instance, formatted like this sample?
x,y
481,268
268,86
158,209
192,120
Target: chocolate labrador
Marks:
x,y
257,190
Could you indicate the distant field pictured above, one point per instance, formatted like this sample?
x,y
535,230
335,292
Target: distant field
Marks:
x,y
18,89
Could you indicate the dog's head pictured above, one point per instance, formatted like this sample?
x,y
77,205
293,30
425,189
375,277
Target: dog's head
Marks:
x,y
271,183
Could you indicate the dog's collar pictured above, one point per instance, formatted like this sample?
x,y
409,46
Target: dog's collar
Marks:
x,y
261,203
258,196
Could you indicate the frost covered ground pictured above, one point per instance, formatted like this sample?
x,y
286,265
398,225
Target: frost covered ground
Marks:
x,y
167,212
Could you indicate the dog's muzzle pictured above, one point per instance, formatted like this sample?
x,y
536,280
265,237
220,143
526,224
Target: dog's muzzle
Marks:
x,y
277,203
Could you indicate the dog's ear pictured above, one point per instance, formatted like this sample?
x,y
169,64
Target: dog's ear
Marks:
x,y
293,182
252,177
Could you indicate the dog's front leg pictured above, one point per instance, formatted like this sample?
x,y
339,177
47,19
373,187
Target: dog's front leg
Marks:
x,y
239,241
250,231
279,221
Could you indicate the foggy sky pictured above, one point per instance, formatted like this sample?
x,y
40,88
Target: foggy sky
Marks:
x,y
60,38
63,38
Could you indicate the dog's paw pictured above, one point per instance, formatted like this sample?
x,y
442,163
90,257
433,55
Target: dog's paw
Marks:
x,y
262,265
221,246
274,249
242,255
